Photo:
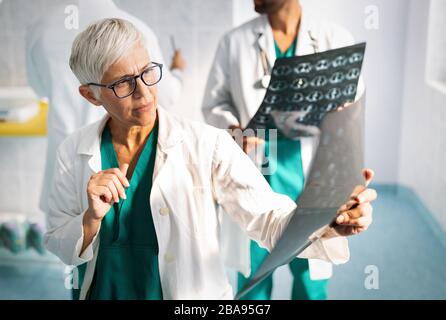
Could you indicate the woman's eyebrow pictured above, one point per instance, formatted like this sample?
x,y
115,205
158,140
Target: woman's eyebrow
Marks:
x,y
131,75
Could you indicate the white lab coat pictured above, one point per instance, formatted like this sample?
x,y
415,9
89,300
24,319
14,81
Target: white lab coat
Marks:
x,y
233,96
197,167
48,47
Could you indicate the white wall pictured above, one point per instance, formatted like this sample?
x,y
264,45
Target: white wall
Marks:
x,y
423,134
383,73
436,64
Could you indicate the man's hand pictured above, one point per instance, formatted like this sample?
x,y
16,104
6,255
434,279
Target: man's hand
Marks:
x,y
249,143
178,61
355,215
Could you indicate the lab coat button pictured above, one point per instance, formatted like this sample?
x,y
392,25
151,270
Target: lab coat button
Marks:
x,y
164,211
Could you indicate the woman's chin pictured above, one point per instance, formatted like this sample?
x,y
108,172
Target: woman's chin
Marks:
x,y
144,118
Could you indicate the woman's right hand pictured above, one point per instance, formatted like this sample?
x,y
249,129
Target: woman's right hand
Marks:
x,y
105,188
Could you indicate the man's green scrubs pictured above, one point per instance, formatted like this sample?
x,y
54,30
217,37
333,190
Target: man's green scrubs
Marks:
x,y
127,263
288,179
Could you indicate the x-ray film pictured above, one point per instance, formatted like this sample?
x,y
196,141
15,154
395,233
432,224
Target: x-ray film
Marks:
x,y
335,170
303,89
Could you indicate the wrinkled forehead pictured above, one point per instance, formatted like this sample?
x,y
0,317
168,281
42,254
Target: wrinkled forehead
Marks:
x,y
134,61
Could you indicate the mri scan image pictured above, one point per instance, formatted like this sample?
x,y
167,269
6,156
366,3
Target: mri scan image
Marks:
x,y
316,84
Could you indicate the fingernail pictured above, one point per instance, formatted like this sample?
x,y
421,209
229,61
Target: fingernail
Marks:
x,y
340,219
124,197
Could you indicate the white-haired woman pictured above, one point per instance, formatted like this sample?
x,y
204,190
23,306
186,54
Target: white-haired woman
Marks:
x,y
134,196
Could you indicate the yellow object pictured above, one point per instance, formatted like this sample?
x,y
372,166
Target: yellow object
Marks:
x,y
36,126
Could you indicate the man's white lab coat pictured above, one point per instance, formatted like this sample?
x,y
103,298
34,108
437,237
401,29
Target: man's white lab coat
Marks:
x,y
233,95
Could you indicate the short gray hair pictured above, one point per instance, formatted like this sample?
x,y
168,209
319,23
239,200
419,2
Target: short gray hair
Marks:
x,y
103,43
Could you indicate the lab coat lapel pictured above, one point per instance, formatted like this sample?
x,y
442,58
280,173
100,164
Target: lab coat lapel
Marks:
x,y
304,41
90,144
169,135
266,41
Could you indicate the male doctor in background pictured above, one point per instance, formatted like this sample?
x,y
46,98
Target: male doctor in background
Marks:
x,y
236,86
48,47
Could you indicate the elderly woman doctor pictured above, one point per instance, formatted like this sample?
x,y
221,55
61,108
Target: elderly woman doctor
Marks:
x,y
134,196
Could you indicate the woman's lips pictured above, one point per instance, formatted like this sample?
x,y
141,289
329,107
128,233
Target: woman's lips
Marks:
x,y
143,108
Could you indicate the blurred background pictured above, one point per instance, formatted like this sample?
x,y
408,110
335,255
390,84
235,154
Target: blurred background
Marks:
x,y
405,76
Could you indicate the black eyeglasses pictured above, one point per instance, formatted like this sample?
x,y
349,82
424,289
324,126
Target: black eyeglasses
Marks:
x,y
126,86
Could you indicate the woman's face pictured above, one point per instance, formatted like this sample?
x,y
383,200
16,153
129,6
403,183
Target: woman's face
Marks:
x,y
138,109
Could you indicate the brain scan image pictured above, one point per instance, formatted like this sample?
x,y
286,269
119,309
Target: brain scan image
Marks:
x,y
329,107
273,99
315,96
355,57
337,77
278,85
266,109
315,84
299,83
353,74
339,61
349,90
296,98
321,65
319,81
334,93
281,71
304,67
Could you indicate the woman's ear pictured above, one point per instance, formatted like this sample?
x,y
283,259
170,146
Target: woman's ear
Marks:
x,y
88,94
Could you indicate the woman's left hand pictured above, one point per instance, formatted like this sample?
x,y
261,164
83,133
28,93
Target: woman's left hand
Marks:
x,y
355,216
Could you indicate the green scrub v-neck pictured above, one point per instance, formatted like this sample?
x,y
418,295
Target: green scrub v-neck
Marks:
x,y
289,177
127,263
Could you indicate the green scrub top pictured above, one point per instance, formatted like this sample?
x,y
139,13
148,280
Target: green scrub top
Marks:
x,y
288,178
127,263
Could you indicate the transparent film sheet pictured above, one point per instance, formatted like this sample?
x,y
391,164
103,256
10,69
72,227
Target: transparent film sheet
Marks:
x,y
335,170
305,88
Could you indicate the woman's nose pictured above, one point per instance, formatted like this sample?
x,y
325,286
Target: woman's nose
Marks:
x,y
142,90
